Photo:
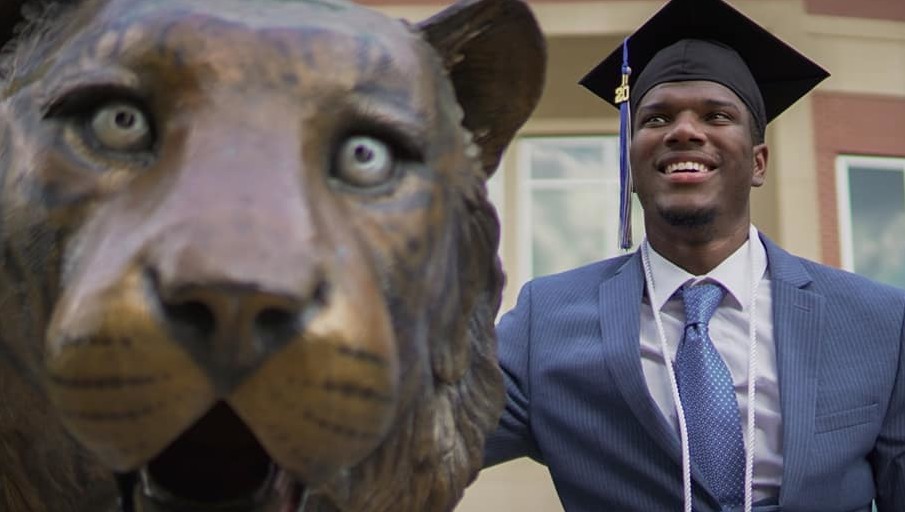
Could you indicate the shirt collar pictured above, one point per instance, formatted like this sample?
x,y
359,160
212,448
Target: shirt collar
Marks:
x,y
733,273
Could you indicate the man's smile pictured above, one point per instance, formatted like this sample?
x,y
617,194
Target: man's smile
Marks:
x,y
688,166
686,169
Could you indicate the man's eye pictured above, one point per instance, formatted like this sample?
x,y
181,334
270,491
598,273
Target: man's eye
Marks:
x,y
120,126
654,120
720,116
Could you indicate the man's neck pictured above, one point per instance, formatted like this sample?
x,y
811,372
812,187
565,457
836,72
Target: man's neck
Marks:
x,y
698,254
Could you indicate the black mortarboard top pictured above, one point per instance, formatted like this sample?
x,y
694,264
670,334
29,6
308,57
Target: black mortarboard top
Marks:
x,y
702,40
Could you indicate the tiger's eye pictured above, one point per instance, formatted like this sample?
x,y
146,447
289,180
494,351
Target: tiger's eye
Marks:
x,y
364,162
121,127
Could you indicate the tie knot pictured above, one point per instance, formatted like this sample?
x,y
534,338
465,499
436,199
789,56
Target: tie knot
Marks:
x,y
701,302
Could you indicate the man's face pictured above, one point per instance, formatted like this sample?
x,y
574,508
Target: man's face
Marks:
x,y
693,157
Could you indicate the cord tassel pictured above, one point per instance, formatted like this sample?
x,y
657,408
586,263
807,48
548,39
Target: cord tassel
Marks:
x,y
625,141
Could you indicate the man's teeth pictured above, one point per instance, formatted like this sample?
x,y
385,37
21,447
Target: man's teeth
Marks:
x,y
686,167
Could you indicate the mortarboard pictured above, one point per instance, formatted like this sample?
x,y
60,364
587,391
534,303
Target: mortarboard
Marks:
x,y
699,40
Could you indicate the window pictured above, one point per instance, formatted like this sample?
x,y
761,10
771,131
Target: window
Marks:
x,y
871,198
568,203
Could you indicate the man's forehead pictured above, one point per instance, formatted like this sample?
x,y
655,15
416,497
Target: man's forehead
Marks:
x,y
702,91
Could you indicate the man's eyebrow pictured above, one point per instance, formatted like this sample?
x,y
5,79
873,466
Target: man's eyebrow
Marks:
x,y
710,102
660,105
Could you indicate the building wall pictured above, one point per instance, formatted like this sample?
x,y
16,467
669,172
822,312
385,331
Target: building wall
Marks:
x,y
879,9
861,109
852,124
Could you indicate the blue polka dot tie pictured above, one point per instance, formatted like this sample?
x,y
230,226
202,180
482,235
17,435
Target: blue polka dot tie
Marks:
x,y
711,410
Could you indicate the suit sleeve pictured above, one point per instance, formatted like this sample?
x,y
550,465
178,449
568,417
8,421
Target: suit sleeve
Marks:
x,y
888,458
513,438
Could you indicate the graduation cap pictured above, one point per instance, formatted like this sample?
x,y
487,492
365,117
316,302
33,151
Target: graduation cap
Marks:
x,y
699,40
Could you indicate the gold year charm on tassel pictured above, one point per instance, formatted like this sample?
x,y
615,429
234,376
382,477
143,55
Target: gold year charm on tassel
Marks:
x,y
622,92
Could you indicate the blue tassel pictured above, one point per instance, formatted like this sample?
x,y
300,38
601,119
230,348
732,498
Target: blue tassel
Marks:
x,y
625,141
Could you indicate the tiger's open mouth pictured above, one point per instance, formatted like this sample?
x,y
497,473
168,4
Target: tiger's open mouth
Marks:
x,y
218,465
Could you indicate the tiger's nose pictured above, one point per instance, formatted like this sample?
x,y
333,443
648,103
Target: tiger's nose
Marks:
x,y
231,329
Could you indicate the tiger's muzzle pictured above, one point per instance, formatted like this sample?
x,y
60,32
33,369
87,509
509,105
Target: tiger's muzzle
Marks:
x,y
225,348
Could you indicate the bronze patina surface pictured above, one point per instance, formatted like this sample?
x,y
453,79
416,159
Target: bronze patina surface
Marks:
x,y
248,260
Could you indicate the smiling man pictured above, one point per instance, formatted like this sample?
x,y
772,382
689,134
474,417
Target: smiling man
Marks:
x,y
785,382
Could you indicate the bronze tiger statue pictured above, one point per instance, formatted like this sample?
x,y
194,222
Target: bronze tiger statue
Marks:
x,y
248,259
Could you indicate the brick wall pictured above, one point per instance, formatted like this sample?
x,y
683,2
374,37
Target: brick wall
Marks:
x,y
878,9
850,124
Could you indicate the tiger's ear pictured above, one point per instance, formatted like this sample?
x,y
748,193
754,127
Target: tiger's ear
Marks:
x,y
10,16
496,56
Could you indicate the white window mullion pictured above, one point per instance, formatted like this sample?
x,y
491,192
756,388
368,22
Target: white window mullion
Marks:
x,y
579,174
844,213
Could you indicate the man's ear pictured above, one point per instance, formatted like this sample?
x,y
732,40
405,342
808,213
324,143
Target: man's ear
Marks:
x,y
761,154
496,57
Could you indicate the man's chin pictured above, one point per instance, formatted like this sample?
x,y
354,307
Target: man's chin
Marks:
x,y
688,218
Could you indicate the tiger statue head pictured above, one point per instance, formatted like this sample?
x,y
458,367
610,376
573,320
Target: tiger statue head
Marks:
x,y
248,258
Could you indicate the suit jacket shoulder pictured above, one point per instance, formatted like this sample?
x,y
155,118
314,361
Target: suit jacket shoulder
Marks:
x,y
584,279
836,285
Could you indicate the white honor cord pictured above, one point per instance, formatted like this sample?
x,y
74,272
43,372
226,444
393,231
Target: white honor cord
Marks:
x,y
752,369
752,377
680,411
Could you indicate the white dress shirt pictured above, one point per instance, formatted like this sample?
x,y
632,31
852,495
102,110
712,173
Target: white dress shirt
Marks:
x,y
730,335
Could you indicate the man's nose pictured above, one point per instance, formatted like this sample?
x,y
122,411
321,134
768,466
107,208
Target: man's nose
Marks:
x,y
686,129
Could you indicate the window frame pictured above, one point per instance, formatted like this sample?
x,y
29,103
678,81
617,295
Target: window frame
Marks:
x,y
844,162
526,185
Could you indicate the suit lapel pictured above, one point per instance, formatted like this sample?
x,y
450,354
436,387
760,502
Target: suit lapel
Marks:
x,y
797,317
620,317
620,310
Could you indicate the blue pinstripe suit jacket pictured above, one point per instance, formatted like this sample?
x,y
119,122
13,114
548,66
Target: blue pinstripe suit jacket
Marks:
x,y
578,403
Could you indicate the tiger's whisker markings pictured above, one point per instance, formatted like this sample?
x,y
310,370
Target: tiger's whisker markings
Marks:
x,y
352,389
109,382
360,355
112,416
337,429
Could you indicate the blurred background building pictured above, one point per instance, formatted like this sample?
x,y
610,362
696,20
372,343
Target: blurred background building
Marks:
x,y
835,188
